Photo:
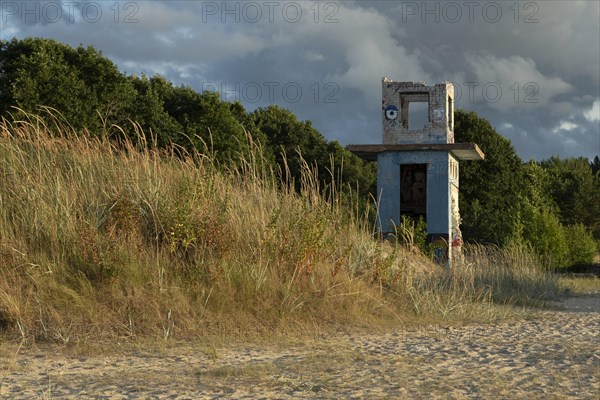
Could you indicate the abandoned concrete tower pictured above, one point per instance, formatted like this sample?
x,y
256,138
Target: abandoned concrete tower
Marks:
x,y
417,164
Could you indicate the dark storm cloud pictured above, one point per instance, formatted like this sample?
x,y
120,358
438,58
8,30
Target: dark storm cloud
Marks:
x,y
531,68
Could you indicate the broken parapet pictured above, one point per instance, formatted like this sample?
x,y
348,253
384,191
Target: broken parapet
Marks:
x,y
396,103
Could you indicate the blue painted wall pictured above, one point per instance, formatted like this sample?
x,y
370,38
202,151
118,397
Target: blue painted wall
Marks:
x,y
438,189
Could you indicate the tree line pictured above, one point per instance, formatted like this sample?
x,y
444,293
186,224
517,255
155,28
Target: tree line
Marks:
x,y
551,205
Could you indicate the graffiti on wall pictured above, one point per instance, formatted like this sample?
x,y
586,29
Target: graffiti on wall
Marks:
x,y
391,113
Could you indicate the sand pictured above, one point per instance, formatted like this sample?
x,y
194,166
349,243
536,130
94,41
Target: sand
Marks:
x,y
553,355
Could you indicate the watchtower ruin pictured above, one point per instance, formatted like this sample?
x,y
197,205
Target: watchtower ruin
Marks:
x,y
417,162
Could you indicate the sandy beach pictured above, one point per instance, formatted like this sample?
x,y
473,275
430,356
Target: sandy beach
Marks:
x,y
555,354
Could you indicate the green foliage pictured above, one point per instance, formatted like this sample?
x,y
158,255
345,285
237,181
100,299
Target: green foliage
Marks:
x,y
412,233
581,244
148,111
536,184
544,233
595,166
84,86
207,122
489,189
543,205
292,142
289,139
352,170
575,189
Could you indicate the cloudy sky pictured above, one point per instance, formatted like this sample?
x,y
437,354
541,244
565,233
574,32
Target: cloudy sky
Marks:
x,y
531,67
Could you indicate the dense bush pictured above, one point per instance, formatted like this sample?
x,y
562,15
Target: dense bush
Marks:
x,y
544,233
581,245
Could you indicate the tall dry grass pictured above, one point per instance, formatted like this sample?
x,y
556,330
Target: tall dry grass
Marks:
x,y
105,240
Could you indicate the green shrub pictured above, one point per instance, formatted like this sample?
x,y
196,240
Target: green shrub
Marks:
x,y
582,247
544,233
412,233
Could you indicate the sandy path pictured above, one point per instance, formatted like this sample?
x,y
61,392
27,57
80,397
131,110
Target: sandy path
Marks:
x,y
553,356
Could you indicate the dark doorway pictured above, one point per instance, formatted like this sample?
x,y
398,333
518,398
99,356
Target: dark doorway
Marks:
x,y
413,190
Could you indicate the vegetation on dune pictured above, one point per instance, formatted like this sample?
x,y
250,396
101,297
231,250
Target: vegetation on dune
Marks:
x,y
104,241
131,207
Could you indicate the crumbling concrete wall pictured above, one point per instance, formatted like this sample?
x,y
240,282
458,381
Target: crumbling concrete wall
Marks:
x,y
455,233
397,99
438,189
